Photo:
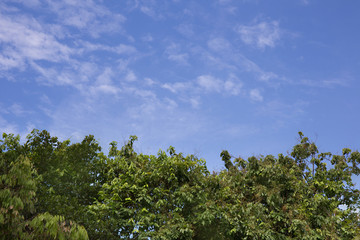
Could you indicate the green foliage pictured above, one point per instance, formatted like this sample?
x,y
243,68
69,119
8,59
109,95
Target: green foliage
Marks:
x,y
47,185
45,226
150,196
18,219
17,188
289,197
69,179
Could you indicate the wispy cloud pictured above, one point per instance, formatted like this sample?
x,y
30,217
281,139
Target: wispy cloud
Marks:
x,y
147,7
325,83
17,109
148,11
28,3
144,94
177,86
233,85
119,49
88,16
208,83
252,67
104,84
130,76
225,56
149,82
28,43
305,2
191,92
174,53
255,95
186,30
261,35
6,127
147,38
282,110
85,15
219,44
52,76
23,42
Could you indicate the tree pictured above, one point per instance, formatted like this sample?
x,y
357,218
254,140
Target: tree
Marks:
x,y
48,185
18,218
154,197
69,179
289,197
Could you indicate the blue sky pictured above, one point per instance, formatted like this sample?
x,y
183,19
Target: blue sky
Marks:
x,y
202,76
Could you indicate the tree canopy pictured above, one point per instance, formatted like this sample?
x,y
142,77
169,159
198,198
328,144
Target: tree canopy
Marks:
x,y
52,189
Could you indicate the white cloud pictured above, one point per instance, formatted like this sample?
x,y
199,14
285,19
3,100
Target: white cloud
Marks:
x,y
24,40
17,109
229,59
28,42
149,81
191,91
335,82
305,2
194,101
219,44
232,87
88,78
28,3
148,11
103,88
222,62
261,35
185,29
142,93
6,127
255,95
8,62
179,58
150,8
224,1
87,16
326,83
54,77
130,76
119,49
147,38
209,83
261,75
177,87
104,84
105,77
174,53
45,100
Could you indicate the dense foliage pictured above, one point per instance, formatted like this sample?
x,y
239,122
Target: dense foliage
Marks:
x,y
19,185
51,189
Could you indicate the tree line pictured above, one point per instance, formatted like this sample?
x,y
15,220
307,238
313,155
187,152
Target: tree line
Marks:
x,y
52,189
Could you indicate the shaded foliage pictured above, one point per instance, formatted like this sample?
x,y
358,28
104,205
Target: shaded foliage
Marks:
x,y
18,186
